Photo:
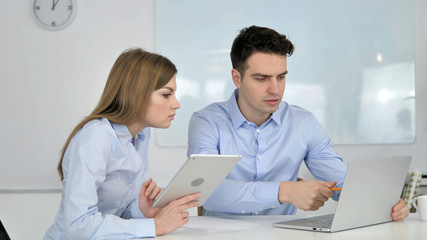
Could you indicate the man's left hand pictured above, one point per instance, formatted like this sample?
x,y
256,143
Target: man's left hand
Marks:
x,y
399,211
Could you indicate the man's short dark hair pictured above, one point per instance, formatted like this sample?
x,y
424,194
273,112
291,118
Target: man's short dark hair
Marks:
x,y
258,39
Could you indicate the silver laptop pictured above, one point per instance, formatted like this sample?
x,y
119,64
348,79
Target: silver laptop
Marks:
x,y
371,188
200,173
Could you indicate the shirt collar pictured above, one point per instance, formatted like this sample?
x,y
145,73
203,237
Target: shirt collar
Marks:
x,y
123,133
237,117
276,115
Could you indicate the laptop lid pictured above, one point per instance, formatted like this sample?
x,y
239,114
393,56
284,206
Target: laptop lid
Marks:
x,y
372,186
200,173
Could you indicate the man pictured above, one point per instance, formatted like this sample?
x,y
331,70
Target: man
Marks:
x,y
272,136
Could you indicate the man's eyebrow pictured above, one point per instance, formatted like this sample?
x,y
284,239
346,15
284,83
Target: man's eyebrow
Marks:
x,y
284,73
265,75
260,75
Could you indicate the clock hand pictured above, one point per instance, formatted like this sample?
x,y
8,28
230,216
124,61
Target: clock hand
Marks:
x,y
54,4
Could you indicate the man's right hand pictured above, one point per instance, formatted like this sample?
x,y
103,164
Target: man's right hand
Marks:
x,y
306,195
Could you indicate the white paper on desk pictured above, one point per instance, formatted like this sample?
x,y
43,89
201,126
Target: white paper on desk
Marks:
x,y
216,224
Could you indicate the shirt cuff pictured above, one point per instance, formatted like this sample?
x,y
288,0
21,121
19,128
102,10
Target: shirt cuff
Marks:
x,y
135,211
145,227
269,194
337,194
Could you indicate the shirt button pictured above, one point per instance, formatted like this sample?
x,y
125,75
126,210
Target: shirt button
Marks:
x,y
130,185
272,207
256,212
258,130
259,157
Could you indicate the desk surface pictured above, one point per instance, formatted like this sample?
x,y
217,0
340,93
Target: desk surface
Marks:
x,y
410,228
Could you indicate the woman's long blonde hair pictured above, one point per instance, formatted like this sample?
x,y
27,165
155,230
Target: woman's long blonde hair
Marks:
x,y
135,75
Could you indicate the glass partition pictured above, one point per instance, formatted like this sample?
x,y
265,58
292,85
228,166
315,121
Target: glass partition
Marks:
x,y
353,65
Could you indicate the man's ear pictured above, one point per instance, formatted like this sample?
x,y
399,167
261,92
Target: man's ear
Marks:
x,y
236,77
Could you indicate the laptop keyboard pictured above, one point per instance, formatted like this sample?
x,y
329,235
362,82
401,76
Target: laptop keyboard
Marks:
x,y
324,221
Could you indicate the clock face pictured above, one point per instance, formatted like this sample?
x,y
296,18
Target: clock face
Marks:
x,y
54,14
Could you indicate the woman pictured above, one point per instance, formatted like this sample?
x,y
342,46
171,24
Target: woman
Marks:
x,y
104,160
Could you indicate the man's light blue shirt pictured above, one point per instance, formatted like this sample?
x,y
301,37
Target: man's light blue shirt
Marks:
x,y
103,174
270,153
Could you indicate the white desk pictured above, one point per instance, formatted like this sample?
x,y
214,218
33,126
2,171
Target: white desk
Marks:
x,y
410,228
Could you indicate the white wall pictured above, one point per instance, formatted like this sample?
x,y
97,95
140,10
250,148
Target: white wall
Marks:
x,y
51,76
52,79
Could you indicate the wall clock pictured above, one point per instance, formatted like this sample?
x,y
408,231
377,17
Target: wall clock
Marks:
x,y
54,14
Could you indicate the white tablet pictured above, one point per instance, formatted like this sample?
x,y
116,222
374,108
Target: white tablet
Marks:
x,y
200,173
